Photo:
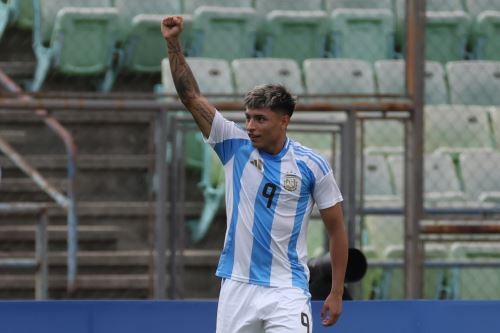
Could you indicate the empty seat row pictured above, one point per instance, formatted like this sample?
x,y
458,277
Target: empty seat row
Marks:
x,y
463,82
472,177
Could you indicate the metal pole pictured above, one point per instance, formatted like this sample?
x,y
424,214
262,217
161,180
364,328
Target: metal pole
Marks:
x,y
41,277
415,51
161,199
174,192
349,176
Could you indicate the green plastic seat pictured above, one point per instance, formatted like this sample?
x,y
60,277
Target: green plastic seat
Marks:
x,y
486,28
5,17
434,278
77,41
378,183
480,174
446,35
142,43
454,128
264,7
295,34
190,6
476,283
338,76
474,82
366,34
431,6
391,80
441,182
251,72
22,13
223,32
331,5
371,282
316,238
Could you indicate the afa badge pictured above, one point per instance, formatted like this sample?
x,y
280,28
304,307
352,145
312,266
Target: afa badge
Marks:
x,y
291,182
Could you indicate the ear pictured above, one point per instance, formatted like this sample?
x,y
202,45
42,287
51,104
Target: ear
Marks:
x,y
285,120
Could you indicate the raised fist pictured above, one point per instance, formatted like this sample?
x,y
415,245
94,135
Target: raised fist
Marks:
x,y
171,26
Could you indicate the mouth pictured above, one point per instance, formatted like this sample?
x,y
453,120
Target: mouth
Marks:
x,y
253,137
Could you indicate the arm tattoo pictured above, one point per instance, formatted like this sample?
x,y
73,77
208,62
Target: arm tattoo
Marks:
x,y
186,85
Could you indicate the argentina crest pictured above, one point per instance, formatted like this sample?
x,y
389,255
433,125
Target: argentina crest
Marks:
x,y
291,182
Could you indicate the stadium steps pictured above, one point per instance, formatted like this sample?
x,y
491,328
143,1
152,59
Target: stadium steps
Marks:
x,y
117,274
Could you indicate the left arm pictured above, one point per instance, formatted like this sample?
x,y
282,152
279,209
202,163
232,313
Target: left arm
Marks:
x,y
334,222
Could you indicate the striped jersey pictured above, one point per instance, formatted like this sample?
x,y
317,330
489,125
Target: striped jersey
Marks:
x,y
268,202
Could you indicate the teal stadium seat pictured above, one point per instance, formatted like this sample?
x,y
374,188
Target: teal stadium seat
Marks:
x,y
213,77
390,76
441,182
5,16
141,42
224,32
74,37
474,82
294,34
190,6
291,29
481,175
486,28
366,34
249,73
477,283
331,5
447,28
393,278
455,128
16,12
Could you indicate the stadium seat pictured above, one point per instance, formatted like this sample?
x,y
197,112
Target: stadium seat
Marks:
x,y
251,72
5,17
431,6
316,245
485,15
480,174
441,182
76,41
189,6
446,36
142,44
331,5
22,11
455,128
474,82
378,182
370,284
390,76
291,29
223,32
393,278
263,7
213,77
294,34
338,76
476,282
383,231
366,34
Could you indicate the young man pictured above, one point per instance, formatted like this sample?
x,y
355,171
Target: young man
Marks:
x,y
272,184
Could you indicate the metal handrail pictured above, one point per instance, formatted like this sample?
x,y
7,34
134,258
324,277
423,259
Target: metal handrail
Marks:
x,y
69,201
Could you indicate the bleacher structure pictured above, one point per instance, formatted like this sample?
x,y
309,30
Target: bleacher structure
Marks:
x,y
327,52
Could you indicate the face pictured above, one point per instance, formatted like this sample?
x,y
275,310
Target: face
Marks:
x,y
267,129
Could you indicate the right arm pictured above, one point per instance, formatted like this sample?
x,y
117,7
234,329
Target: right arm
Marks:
x,y
185,83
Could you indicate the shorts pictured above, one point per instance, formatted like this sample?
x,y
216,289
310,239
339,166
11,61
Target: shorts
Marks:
x,y
250,308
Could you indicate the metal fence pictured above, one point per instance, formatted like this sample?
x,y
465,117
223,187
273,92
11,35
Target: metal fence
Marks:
x,y
324,51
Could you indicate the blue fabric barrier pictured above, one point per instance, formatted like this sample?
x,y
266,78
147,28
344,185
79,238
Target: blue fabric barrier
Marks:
x,y
199,316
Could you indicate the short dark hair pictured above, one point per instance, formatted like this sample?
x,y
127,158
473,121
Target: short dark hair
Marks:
x,y
273,96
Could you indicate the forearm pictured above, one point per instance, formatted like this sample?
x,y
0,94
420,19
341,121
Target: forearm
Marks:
x,y
338,258
187,87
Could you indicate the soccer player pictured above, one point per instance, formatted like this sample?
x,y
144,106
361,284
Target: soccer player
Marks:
x,y
272,184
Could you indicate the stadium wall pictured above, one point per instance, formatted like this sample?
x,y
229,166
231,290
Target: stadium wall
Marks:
x,y
199,316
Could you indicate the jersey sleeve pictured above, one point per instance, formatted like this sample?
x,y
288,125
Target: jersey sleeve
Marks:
x,y
226,137
326,191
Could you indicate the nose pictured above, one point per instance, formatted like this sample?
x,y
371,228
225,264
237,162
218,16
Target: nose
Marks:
x,y
250,125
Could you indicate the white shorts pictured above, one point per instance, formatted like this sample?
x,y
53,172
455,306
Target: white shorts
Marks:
x,y
250,308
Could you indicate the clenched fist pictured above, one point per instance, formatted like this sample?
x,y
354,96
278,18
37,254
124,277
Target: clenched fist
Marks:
x,y
171,26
